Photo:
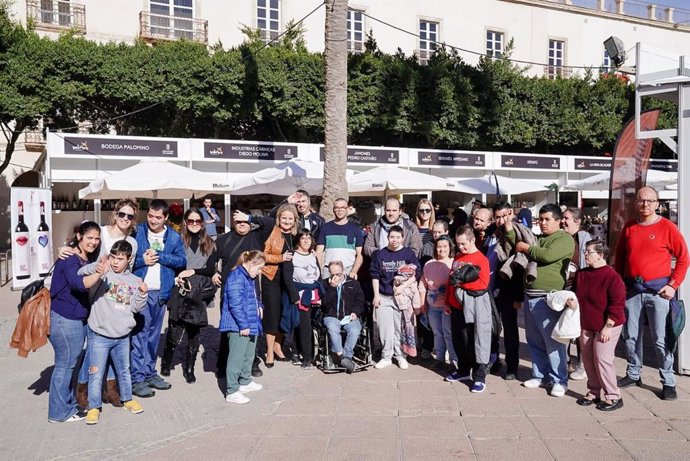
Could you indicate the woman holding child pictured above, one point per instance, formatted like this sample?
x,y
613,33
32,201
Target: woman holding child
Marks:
x,y
69,310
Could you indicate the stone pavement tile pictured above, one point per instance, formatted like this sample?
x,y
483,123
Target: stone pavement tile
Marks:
x,y
510,449
291,448
362,449
568,427
383,402
545,405
299,426
641,429
679,409
307,405
431,426
681,425
437,448
411,405
579,449
482,427
321,384
249,427
365,426
654,450
428,387
644,393
214,445
477,405
361,387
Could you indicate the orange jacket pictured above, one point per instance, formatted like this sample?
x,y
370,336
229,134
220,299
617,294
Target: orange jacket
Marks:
x,y
33,324
273,251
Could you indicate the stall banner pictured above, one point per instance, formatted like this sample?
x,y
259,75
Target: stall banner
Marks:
x,y
30,218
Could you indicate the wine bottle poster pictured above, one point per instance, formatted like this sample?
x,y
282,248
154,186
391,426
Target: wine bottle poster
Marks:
x,y
32,242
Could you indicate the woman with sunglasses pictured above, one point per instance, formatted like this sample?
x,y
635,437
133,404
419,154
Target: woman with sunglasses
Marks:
x,y
121,227
200,251
424,218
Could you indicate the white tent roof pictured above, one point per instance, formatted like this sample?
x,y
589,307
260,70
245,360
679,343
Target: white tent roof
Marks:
x,y
507,186
655,178
395,180
284,179
155,179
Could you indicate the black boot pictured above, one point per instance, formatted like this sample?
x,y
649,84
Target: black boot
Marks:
x,y
166,361
188,371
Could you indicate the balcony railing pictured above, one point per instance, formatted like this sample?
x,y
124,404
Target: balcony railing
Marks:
x,y
56,15
557,71
34,141
160,27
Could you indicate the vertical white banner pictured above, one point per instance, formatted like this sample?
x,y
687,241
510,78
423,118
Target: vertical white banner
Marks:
x,y
31,221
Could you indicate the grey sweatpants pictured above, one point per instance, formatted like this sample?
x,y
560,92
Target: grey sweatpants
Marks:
x,y
388,321
478,311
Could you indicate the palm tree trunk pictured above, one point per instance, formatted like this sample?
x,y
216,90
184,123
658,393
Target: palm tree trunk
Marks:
x,y
335,143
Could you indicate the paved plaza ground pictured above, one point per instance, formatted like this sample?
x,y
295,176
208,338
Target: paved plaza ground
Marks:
x,y
306,415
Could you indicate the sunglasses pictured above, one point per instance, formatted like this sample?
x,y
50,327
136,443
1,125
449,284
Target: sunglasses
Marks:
x,y
425,210
193,222
123,215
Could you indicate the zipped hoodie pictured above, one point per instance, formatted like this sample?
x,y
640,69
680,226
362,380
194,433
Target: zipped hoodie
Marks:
x,y
116,298
172,258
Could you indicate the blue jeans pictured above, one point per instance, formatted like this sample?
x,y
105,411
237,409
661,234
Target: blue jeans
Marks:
x,y
656,309
100,349
549,358
145,338
352,329
67,338
443,337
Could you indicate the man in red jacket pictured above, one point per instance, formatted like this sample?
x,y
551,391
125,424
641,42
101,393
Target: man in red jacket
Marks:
x,y
643,259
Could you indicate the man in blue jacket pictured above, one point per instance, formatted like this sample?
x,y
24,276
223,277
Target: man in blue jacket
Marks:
x,y
160,255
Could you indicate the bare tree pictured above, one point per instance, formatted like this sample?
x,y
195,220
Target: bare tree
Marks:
x,y
335,149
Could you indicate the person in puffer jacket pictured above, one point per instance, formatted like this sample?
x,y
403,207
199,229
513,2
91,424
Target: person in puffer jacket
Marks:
x,y
240,316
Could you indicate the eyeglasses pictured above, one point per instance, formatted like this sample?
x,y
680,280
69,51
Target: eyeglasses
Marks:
x,y
645,202
591,252
194,222
425,210
123,215
237,223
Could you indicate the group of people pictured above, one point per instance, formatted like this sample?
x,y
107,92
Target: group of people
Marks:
x,y
438,289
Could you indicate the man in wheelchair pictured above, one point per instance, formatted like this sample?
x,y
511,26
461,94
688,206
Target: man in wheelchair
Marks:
x,y
343,306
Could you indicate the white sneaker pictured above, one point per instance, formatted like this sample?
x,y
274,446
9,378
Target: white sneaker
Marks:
x,y
251,387
558,390
579,374
533,383
236,397
402,363
383,363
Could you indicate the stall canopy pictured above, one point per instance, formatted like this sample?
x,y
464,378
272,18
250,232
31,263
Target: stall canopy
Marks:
x,y
284,179
156,179
506,186
655,178
394,180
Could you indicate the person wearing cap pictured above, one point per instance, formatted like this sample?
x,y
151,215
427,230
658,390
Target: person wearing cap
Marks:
x,y
552,254
643,259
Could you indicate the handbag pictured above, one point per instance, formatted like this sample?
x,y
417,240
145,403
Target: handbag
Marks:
x,y
32,289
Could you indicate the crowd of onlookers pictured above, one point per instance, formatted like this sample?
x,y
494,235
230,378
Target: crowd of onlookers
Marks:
x,y
445,289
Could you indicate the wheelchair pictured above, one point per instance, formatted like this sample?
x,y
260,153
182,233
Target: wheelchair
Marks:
x,y
324,359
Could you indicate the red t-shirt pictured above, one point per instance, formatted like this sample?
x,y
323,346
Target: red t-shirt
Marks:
x,y
646,251
482,283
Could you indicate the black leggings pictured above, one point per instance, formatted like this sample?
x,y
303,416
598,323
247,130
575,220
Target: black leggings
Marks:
x,y
303,336
176,331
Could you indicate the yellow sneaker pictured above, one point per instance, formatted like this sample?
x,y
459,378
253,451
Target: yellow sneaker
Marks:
x,y
133,407
92,416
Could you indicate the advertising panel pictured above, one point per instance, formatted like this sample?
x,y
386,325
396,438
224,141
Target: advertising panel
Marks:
x,y
367,155
76,145
30,218
451,159
249,151
531,162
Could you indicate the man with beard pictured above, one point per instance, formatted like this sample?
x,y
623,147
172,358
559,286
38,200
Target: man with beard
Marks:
x,y
378,237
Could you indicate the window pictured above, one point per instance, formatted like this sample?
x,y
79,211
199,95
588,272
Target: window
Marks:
x,y
172,18
428,39
607,64
268,18
355,31
56,12
494,44
556,58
